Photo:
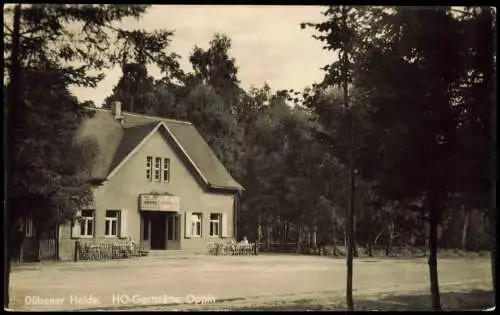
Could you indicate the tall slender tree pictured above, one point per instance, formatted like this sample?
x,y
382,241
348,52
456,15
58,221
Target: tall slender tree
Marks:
x,y
12,104
135,90
215,67
341,34
411,79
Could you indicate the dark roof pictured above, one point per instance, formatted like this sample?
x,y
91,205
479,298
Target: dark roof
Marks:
x,y
116,141
131,138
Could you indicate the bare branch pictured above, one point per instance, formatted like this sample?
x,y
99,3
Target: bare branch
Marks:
x,y
9,29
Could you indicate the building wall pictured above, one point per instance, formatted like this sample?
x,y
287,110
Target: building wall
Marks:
x,y
211,203
123,189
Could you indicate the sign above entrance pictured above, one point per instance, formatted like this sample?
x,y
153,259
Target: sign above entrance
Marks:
x,y
159,203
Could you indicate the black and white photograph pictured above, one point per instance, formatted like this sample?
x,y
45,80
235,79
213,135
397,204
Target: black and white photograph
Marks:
x,y
162,157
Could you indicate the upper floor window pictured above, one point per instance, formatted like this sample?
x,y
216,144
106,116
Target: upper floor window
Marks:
x,y
160,169
149,165
157,169
87,223
166,170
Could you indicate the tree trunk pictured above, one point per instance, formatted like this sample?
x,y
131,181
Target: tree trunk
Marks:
x,y
350,227
299,237
259,230
315,237
369,245
289,227
283,231
464,230
268,233
350,209
388,249
350,238
355,243
493,128
345,241
434,214
375,241
370,237
13,105
355,249
309,238
334,234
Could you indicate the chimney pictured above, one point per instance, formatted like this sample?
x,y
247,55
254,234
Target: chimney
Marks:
x,y
117,111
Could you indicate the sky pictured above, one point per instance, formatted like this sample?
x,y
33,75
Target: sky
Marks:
x,y
267,43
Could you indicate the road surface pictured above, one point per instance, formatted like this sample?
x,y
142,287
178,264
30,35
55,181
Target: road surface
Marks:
x,y
213,279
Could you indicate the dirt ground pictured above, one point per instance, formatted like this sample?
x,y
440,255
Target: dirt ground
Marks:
x,y
239,282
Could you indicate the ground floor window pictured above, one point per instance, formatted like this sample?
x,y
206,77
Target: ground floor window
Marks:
x,y
112,220
196,224
173,228
87,223
29,229
215,219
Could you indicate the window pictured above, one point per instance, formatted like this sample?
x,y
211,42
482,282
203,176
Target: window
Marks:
x,y
87,223
196,224
173,228
161,169
157,169
149,162
166,170
29,230
112,219
215,219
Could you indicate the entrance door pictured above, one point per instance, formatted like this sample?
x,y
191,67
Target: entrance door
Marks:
x,y
145,230
158,230
173,231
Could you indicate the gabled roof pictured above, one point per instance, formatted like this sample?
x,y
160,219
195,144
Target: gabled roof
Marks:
x,y
117,142
131,138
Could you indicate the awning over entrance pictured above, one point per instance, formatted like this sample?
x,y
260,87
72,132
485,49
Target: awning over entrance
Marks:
x,y
159,203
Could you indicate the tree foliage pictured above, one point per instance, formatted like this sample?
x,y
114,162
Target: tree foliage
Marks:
x,y
135,90
419,95
49,170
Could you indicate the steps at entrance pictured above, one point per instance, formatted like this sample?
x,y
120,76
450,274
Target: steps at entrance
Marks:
x,y
167,253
